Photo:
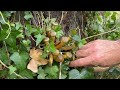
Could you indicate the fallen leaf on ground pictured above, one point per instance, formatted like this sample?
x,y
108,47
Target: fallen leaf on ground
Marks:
x,y
36,60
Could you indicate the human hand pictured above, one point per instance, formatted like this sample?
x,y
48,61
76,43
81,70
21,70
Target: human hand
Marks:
x,y
98,53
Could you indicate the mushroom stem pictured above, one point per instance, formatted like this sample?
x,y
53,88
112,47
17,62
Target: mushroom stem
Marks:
x,y
63,41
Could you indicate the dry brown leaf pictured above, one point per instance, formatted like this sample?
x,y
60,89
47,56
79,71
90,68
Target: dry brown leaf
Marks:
x,y
36,60
35,54
33,66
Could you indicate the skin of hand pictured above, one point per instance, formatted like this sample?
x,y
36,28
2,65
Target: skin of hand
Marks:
x,y
98,53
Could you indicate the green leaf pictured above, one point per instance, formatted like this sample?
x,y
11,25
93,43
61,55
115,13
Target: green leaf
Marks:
x,y
80,44
4,74
11,41
86,74
52,47
41,73
3,34
77,38
58,28
107,14
73,32
100,18
113,17
74,74
28,15
12,69
20,59
59,34
53,20
39,38
29,29
27,73
63,76
52,71
18,25
6,14
1,20
26,42
15,33
3,56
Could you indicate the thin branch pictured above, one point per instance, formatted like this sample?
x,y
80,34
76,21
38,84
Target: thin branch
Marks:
x,y
38,17
101,33
7,52
7,24
60,70
34,19
32,38
61,17
49,14
42,18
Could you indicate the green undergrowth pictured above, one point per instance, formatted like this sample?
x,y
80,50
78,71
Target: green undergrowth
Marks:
x,y
18,38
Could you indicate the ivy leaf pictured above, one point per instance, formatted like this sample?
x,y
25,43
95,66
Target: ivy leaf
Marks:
x,y
3,34
41,73
27,73
11,41
26,42
86,74
80,44
113,17
63,76
7,14
20,59
107,14
1,20
12,69
52,71
39,38
58,28
76,38
74,74
18,25
29,29
28,15
59,34
3,56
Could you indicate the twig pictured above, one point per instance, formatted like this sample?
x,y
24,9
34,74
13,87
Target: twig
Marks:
x,y
13,72
7,24
7,52
34,19
101,33
42,18
60,70
32,38
61,17
38,18
49,14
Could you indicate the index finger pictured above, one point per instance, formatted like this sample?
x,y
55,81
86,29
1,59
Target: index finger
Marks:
x,y
83,62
